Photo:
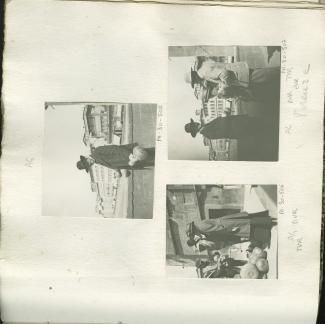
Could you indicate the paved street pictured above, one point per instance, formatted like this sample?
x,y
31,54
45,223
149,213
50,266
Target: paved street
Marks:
x,y
142,125
135,193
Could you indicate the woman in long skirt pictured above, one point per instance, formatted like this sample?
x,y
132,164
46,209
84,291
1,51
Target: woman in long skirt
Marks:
x,y
240,227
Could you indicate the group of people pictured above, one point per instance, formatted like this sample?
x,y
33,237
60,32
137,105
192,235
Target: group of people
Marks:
x,y
218,266
119,157
212,235
231,81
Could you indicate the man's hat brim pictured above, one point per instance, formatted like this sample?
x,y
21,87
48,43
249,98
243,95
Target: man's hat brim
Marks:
x,y
192,128
83,161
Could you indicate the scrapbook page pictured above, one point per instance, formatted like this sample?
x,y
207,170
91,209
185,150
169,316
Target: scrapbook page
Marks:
x,y
161,163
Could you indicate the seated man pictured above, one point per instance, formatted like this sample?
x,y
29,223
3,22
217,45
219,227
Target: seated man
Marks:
x,y
118,157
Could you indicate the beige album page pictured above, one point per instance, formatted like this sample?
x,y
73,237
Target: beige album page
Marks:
x,y
161,163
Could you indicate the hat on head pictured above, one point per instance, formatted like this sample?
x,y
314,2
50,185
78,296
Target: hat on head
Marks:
x,y
83,164
191,128
190,242
192,77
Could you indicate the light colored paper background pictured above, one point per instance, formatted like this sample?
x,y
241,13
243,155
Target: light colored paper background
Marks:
x,y
311,4
110,270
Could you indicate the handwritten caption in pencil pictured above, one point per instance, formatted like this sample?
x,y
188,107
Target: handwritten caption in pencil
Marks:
x,y
160,123
294,234
297,83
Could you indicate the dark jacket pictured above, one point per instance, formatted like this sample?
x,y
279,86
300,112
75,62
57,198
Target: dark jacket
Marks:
x,y
117,156
113,156
233,127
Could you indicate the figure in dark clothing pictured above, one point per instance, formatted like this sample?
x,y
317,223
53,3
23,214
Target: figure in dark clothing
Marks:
x,y
219,267
232,127
240,227
119,157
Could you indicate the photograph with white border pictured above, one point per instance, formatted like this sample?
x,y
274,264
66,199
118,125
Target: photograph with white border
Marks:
x,y
98,159
222,231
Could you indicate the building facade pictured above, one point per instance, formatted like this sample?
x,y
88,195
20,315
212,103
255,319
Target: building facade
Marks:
x,y
213,107
103,126
104,123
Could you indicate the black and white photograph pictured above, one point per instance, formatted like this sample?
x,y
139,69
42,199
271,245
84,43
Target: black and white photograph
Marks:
x,y
224,103
222,231
162,161
99,159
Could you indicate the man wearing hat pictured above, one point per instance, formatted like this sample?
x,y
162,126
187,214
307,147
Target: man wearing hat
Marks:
x,y
237,77
219,73
232,127
118,157
231,73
